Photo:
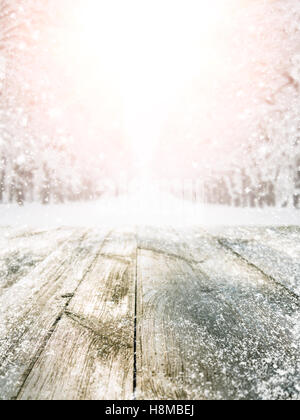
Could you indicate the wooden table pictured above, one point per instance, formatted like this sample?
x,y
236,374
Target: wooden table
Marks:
x,y
150,313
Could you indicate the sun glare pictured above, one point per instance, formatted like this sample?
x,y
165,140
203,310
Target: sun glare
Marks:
x,y
149,50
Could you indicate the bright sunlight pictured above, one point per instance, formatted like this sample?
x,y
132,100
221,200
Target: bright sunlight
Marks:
x,y
150,49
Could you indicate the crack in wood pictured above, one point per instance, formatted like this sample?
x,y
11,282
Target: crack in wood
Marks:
x,y
170,255
40,351
109,341
267,276
67,295
48,336
151,354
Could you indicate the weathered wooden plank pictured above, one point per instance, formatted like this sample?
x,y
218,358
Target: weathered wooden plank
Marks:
x,y
283,239
120,243
210,325
91,353
160,369
275,251
20,255
30,309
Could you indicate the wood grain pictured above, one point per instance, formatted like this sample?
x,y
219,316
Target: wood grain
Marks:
x,y
275,251
30,309
153,313
91,353
210,326
21,253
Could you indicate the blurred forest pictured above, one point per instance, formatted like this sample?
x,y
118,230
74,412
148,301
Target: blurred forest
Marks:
x,y
52,146
238,134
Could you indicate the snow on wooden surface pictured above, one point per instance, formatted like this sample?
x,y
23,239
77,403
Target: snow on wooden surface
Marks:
x,y
150,313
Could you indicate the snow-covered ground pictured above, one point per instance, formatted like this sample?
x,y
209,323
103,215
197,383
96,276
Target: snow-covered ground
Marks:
x,y
141,209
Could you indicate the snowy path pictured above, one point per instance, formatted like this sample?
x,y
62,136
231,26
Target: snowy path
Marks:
x,y
150,312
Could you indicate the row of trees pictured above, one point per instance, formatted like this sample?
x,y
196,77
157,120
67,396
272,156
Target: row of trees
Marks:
x,y
239,133
33,164
271,175
239,189
47,152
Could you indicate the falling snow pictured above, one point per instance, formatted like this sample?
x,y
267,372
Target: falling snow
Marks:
x,y
149,200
